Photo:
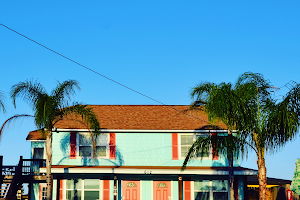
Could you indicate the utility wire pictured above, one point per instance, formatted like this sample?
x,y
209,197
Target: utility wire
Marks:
x,y
98,72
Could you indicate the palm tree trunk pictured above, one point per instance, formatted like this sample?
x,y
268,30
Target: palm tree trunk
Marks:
x,y
262,176
231,177
231,169
49,163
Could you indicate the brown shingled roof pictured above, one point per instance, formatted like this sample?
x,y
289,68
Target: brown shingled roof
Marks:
x,y
149,117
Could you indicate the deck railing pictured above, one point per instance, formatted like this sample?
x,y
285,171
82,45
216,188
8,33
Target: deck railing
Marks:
x,y
29,167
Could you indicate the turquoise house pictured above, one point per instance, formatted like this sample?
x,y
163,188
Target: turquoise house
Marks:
x,y
139,155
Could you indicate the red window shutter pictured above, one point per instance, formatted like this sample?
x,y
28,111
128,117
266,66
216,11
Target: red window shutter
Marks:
x,y
236,188
174,146
112,146
61,189
216,156
106,190
187,190
73,145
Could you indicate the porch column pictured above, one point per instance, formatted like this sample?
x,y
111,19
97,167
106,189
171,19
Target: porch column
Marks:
x,y
180,187
119,188
115,187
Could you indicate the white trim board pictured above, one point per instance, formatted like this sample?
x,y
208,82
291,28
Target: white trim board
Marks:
x,y
142,131
142,171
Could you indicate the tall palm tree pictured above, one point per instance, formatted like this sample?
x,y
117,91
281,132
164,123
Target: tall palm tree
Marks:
x,y
261,122
49,109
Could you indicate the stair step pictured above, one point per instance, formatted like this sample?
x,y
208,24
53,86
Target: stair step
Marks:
x,y
4,189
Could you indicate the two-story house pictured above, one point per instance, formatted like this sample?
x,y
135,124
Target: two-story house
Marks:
x,y
139,155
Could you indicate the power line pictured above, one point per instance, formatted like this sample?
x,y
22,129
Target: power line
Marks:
x,y
97,72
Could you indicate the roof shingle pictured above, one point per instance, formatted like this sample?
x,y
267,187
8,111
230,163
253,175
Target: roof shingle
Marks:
x,y
146,117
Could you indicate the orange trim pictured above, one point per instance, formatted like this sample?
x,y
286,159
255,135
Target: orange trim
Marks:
x,y
60,189
174,146
73,145
236,188
112,146
106,190
187,190
216,156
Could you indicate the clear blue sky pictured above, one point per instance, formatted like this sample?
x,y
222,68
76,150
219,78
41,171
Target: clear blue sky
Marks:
x,y
159,48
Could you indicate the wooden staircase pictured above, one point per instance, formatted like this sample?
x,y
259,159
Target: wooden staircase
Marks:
x,y
3,190
12,177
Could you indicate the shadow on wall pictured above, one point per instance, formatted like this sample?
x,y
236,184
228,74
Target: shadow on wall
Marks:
x,y
87,161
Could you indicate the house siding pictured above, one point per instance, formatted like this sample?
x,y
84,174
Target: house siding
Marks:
x,y
146,189
132,149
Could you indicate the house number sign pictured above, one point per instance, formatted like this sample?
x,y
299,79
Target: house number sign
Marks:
x,y
147,172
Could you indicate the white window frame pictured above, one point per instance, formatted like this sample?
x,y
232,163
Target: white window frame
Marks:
x,y
211,191
100,189
89,135
182,157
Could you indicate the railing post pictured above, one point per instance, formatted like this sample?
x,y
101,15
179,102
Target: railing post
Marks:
x,y
1,164
21,164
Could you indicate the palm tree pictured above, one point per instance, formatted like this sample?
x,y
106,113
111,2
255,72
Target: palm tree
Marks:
x,y
261,122
49,109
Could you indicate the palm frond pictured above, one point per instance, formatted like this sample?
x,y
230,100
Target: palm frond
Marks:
x,y
223,144
64,91
11,120
2,105
284,120
28,90
85,113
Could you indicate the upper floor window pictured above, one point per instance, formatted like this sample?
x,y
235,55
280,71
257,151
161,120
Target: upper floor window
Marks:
x,y
86,146
38,153
185,143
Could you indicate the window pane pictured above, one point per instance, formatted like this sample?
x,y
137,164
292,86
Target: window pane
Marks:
x,y
85,151
44,193
85,140
201,185
91,195
73,195
91,183
186,139
201,135
38,153
201,195
220,196
101,140
70,184
184,150
220,185
101,151
206,154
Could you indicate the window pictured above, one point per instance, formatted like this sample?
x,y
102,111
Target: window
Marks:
x,y
44,193
86,147
211,190
83,189
187,140
38,153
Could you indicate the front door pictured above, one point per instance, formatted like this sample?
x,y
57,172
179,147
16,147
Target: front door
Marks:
x,y
131,190
162,190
